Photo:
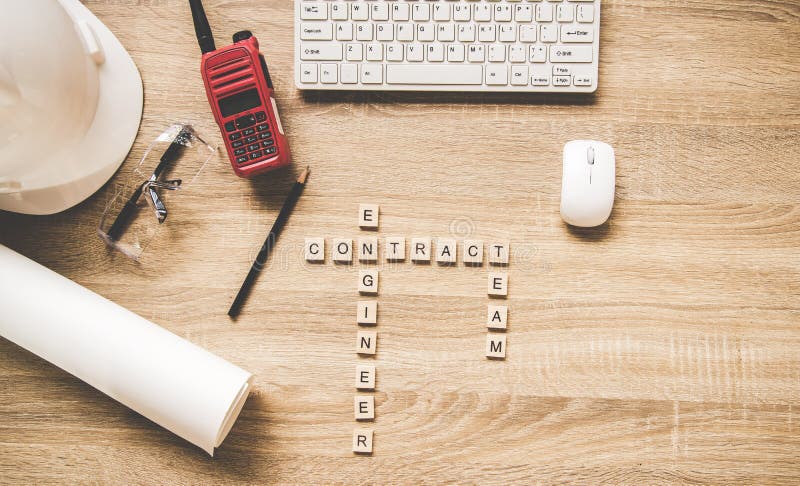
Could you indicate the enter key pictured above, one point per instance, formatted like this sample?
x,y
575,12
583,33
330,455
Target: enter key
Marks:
x,y
579,34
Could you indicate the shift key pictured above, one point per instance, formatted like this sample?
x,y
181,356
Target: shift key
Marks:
x,y
571,53
320,51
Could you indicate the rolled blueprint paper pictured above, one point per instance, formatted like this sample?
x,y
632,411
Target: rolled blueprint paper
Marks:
x,y
169,380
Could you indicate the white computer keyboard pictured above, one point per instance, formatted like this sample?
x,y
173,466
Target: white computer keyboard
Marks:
x,y
447,45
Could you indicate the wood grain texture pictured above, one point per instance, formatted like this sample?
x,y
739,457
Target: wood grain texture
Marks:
x,y
662,347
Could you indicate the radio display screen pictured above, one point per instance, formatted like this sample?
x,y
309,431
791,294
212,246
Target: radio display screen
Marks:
x,y
239,102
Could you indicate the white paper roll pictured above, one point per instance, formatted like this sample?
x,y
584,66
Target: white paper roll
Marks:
x,y
169,380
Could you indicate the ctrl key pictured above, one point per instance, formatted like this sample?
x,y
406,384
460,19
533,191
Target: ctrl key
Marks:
x,y
308,73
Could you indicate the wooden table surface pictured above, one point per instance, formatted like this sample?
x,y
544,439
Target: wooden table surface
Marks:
x,y
662,347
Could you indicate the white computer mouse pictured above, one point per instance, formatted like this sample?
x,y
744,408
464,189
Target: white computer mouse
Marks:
x,y
588,183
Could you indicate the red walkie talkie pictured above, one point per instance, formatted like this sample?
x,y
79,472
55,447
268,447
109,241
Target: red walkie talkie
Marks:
x,y
240,92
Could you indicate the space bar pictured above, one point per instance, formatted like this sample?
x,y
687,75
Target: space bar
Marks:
x,y
434,74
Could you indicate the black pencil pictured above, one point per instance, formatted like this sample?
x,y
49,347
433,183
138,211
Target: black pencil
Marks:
x,y
269,243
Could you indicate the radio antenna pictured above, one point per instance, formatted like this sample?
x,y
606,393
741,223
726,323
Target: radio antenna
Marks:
x,y
204,36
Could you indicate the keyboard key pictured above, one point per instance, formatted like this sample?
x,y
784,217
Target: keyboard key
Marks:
x,y
400,12
523,13
241,160
577,34
308,73
562,71
538,54
359,11
497,53
379,11
268,143
527,33
339,11
252,147
415,52
475,53
320,51
420,12
570,53
344,32
435,53
374,52
544,12
349,74
519,75
562,80
394,52
261,116
565,12
540,80
262,127
372,74
585,13
496,74
237,144
264,135
355,52
230,126
436,74
239,151
250,139
316,31
233,136
249,131
517,53
256,155
582,80
270,151
313,11
441,12
455,53
328,73
462,12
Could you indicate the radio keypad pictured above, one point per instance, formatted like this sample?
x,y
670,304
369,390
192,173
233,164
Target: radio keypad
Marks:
x,y
254,143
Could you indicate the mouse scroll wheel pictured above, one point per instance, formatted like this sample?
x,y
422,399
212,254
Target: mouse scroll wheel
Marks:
x,y
590,155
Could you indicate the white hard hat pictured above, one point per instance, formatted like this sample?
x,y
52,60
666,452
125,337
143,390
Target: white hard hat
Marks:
x,y
70,105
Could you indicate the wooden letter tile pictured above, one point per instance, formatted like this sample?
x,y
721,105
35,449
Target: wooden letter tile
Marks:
x,y
496,346
362,441
368,216
368,249
498,253
342,250
367,312
365,377
421,250
446,251
497,317
368,281
364,407
395,248
315,249
473,252
367,342
498,285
